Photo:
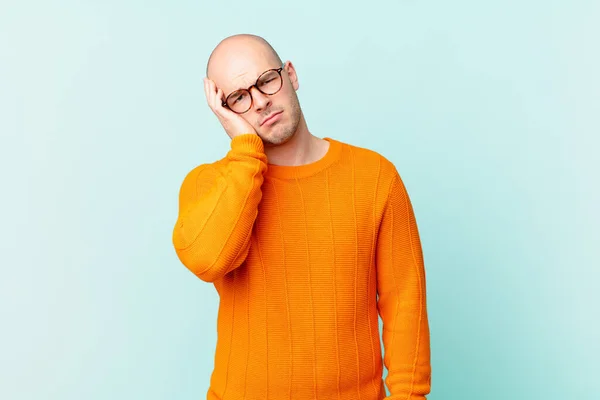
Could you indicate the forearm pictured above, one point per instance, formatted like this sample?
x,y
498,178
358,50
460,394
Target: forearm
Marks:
x,y
406,340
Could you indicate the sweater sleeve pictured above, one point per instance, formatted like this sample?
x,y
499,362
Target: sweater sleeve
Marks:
x,y
218,204
402,299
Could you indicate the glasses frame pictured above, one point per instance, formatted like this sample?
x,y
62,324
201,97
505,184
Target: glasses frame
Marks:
x,y
278,70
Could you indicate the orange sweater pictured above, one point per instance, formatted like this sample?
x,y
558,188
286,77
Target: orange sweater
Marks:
x,y
304,259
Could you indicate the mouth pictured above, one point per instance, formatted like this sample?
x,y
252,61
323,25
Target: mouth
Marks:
x,y
270,117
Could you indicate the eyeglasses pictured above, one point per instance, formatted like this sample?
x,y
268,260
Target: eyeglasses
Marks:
x,y
269,83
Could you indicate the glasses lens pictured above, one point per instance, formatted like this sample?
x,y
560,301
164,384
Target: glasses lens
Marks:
x,y
239,101
269,82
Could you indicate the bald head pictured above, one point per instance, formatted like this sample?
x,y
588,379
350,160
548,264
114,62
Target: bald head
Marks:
x,y
236,48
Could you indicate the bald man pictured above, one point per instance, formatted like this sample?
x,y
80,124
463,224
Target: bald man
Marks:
x,y
308,241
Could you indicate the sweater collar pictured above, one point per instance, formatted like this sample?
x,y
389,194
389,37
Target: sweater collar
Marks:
x,y
305,170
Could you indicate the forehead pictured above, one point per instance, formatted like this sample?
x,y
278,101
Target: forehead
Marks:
x,y
240,69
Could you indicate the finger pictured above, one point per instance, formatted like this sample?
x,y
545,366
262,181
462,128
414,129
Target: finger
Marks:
x,y
211,94
218,99
206,94
219,103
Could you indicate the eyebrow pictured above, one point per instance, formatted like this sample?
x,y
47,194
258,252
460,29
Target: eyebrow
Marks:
x,y
245,86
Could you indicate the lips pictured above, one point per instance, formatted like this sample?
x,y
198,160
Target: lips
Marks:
x,y
269,117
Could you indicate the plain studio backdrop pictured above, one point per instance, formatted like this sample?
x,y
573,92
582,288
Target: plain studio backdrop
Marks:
x,y
489,109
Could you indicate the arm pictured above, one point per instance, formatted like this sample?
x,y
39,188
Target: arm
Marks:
x,y
218,204
402,299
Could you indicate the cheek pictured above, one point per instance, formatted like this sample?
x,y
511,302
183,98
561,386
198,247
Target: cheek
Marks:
x,y
286,100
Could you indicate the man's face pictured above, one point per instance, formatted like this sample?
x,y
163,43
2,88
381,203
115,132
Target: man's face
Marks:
x,y
240,73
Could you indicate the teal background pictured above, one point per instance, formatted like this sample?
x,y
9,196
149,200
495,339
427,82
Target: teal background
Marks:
x,y
489,109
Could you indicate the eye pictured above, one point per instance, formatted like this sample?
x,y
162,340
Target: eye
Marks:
x,y
239,97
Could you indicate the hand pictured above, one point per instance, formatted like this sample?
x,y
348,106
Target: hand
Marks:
x,y
233,123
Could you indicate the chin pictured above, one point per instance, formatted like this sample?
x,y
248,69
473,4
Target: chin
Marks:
x,y
277,137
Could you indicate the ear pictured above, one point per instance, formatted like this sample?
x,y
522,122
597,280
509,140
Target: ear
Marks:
x,y
291,72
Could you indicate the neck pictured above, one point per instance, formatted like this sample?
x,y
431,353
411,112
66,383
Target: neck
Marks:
x,y
302,148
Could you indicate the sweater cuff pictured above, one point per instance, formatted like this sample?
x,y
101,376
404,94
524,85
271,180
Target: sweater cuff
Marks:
x,y
248,143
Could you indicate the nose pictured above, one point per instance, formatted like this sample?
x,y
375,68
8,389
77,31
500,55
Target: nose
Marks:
x,y
260,101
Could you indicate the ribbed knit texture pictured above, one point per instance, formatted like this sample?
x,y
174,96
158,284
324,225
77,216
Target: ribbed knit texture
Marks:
x,y
305,258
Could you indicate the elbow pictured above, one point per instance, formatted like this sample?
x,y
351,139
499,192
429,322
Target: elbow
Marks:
x,y
208,275
194,256
210,261
203,266
208,264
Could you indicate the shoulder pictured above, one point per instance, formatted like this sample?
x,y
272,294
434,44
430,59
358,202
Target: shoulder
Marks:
x,y
364,157
206,173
